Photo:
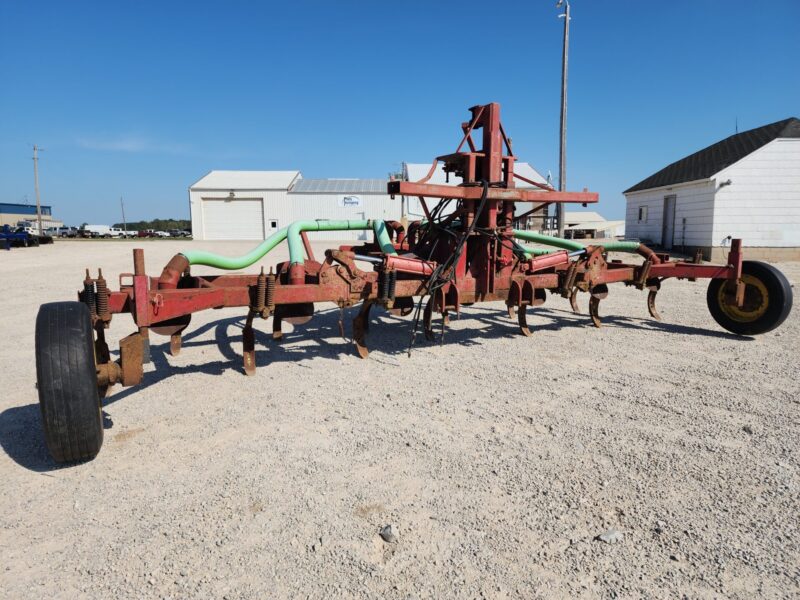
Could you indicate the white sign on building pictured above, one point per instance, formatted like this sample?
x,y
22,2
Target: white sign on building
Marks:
x,y
350,201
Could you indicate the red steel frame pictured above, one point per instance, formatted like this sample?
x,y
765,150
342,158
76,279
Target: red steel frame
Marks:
x,y
488,269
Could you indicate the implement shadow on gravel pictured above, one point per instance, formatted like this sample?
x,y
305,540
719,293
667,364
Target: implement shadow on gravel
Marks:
x,y
388,336
23,441
319,338
564,319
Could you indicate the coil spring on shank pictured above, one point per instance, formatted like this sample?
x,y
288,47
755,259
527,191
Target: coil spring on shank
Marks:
x,y
261,292
270,297
383,288
392,285
89,296
102,298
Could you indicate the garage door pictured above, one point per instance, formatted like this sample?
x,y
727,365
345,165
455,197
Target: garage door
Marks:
x,y
240,219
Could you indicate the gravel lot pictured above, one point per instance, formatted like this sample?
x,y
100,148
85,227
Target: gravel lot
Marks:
x,y
497,459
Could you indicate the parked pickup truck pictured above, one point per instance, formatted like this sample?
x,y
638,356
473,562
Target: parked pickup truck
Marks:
x,y
20,236
104,231
67,232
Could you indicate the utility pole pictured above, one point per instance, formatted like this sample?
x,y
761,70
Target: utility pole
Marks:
x,y
562,155
124,223
403,200
36,184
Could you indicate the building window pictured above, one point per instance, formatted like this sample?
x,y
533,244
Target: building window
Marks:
x,y
642,214
273,224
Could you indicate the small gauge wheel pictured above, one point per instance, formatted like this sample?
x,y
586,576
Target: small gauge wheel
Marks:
x,y
767,300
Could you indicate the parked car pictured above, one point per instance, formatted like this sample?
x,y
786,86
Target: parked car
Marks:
x,y
67,232
130,233
27,226
162,234
147,233
179,233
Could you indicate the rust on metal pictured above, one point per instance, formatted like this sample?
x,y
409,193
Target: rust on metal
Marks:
x,y
598,293
131,359
138,262
651,304
175,344
573,301
249,345
172,272
360,326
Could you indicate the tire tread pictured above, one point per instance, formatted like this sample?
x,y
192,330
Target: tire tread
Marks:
x,y
66,378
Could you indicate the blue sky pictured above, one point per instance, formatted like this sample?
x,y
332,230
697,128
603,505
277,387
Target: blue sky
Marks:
x,y
140,99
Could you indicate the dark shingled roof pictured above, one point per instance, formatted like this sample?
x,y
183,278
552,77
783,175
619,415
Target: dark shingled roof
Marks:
x,y
711,160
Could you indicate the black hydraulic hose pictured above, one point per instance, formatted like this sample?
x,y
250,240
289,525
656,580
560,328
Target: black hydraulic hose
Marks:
x,y
445,272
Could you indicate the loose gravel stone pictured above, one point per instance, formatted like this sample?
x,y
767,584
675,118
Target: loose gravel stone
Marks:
x,y
388,535
612,536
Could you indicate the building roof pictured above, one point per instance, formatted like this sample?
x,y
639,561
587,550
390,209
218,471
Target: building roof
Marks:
x,y
416,171
583,216
595,225
339,186
247,180
709,161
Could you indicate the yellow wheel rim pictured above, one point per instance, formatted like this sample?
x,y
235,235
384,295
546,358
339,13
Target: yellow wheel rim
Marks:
x,y
756,300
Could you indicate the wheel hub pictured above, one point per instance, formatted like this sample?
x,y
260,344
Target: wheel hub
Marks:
x,y
756,300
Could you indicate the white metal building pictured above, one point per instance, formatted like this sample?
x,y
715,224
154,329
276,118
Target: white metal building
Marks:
x,y
746,186
241,205
252,205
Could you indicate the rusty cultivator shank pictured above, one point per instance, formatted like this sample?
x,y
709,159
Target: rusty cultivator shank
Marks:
x,y
464,251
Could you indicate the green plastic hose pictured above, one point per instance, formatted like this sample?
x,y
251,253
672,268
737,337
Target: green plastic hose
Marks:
x,y
209,259
549,240
296,242
620,246
528,252
296,249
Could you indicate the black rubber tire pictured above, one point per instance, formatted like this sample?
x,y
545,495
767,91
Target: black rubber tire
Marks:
x,y
66,378
778,307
